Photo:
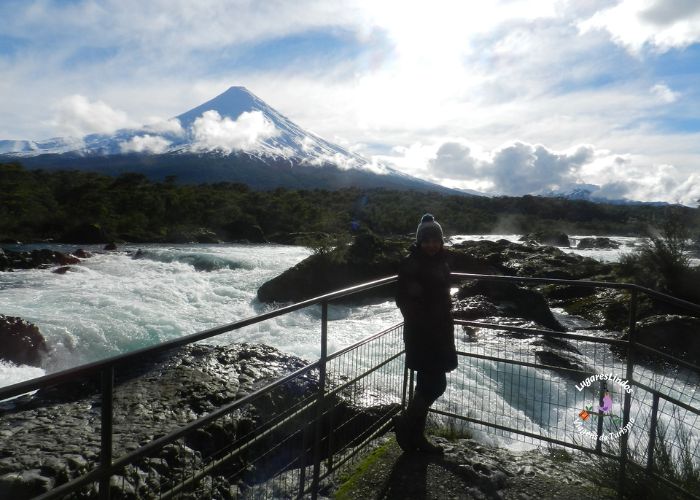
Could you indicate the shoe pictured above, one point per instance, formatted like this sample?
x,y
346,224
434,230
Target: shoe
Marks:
x,y
425,446
403,433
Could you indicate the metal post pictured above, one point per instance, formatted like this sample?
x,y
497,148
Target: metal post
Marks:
x,y
601,394
106,428
628,399
302,464
652,431
321,398
404,394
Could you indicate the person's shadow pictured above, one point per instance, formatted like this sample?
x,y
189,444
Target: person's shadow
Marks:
x,y
420,476
409,477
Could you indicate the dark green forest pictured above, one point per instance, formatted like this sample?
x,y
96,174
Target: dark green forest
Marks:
x,y
38,205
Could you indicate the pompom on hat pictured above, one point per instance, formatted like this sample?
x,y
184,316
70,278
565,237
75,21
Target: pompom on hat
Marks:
x,y
428,228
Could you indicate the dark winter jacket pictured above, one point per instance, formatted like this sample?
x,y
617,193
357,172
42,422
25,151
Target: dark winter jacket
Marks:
x,y
424,299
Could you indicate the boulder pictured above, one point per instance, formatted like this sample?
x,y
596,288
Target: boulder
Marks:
x,y
597,243
673,334
110,246
36,259
516,259
553,238
561,360
367,258
83,254
20,341
510,300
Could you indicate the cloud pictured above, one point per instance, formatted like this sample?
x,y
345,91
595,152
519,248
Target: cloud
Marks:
x,y
212,132
171,126
77,116
664,93
515,169
454,160
145,144
521,168
660,24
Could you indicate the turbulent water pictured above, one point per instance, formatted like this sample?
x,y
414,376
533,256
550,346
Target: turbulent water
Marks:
x,y
115,302
139,296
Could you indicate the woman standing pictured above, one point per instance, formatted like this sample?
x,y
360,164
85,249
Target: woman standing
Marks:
x,y
424,299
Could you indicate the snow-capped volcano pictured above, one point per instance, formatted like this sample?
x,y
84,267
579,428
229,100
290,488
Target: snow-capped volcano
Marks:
x,y
235,137
235,121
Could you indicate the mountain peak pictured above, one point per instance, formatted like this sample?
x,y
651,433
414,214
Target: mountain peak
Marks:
x,y
232,103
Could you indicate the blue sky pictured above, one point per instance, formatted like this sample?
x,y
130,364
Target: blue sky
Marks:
x,y
508,97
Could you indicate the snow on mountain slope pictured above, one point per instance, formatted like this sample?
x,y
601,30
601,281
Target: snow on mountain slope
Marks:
x,y
234,121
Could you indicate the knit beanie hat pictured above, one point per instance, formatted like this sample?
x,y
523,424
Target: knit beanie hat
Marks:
x,y
428,228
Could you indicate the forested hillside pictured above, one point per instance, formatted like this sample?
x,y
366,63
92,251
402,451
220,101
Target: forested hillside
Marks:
x,y
38,205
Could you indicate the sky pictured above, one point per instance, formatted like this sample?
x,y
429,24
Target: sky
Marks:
x,y
506,97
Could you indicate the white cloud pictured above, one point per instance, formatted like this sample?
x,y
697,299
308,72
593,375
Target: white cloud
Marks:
x,y
212,132
145,144
664,93
77,116
660,24
522,168
171,126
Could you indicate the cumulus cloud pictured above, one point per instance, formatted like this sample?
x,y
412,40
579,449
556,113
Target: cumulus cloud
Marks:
x,y
659,24
521,168
145,144
454,160
211,131
77,116
664,93
514,169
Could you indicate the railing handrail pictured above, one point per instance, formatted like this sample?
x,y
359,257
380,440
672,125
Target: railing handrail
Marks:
x,y
96,366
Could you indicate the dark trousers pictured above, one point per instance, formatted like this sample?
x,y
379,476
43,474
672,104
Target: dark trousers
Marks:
x,y
430,385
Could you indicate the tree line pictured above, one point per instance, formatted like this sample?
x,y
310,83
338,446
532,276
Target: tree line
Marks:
x,y
39,205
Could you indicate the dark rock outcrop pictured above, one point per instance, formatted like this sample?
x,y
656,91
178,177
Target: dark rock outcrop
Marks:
x,y
505,299
673,334
515,259
20,341
83,254
370,258
366,259
599,243
553,238
35,259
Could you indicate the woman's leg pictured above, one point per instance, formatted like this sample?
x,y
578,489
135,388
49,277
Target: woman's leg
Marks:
x,y
429,386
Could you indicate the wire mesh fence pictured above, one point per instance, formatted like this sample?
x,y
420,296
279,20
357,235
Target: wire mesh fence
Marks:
x,y
290,438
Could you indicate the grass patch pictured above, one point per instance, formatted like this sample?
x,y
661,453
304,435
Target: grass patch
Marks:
x,y
351,481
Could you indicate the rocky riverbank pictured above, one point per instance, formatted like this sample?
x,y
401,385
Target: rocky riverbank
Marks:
x,y
50,437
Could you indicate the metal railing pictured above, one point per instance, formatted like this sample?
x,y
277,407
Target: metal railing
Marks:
x,y
285,439
533,359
